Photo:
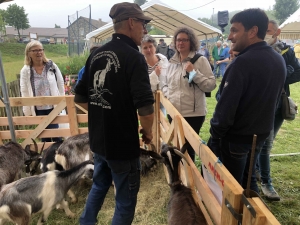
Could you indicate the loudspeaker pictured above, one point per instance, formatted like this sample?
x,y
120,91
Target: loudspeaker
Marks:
x,y
223,18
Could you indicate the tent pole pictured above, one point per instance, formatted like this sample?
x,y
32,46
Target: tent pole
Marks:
x,y
6,102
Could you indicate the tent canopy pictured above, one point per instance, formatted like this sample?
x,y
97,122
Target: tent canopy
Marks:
x,y
290,29
166,19
2,1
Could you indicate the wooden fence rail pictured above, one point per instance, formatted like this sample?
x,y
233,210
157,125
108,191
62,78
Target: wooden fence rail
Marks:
x,y
218,213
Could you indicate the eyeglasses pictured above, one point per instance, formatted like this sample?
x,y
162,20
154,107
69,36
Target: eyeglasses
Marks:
x,y
184,40
142,21
37,50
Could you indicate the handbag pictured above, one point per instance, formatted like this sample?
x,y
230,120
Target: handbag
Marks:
x,y
288,109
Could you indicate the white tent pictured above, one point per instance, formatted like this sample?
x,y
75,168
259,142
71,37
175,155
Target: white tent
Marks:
x,y
165,18
290,29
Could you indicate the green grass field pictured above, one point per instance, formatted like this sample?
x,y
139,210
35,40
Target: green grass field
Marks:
x,y
13,57
154,192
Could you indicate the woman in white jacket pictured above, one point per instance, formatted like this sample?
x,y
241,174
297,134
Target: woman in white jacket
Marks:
x,y
40,77
187,93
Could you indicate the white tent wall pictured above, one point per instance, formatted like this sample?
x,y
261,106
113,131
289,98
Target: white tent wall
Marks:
x,y
290,29
165,18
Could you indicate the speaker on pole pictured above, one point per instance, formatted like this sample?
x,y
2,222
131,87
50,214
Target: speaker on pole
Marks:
x,y
223,18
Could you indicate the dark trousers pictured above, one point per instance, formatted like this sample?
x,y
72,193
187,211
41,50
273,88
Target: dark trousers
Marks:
x,y
236,158
196,123
50,126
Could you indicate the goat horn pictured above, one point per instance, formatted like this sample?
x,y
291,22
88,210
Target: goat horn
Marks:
x,y
42,148
35,145
181,155
170,159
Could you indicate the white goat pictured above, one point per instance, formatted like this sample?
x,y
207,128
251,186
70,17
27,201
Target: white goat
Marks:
x,y
20,199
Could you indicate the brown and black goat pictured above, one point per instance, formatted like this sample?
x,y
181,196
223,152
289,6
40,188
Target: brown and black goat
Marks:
x,y
13,157
182,208
40,193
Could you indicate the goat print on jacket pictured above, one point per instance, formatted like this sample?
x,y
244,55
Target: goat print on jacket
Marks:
x,y
99,79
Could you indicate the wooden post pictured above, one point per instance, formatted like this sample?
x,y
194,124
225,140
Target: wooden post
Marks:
x,y
72,115
259,219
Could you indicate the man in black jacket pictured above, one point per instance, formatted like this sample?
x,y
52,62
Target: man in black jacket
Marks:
x,y
293,76
248,95
114,87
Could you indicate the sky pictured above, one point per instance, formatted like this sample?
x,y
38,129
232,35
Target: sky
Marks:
x,y
57,11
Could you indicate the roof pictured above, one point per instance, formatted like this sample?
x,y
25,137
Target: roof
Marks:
x,y
166,19
44,32
95,23
290,29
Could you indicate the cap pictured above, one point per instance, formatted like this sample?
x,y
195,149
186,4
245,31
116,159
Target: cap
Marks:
x,y
125,10
203,44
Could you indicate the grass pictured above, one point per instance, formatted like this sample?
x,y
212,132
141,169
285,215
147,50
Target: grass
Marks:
x,y
154,191
13,57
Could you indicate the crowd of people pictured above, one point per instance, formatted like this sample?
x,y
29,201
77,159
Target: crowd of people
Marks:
x,y
119,80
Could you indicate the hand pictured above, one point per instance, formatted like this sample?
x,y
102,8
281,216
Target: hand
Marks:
x,y
146,137
189,67
218,62
158,70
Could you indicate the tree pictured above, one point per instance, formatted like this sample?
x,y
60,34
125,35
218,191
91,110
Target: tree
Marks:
x,y
2,23
284,8
156,31
140,2
56,26
15,16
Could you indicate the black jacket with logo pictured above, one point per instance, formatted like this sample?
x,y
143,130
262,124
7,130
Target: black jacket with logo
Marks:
x,y
116,83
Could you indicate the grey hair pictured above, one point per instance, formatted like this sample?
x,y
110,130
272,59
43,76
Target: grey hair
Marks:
x,y
119,25
225,43
219,42
149,39
275,24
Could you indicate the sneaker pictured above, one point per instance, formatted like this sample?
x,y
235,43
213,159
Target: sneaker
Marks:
x,y
270,192
257,174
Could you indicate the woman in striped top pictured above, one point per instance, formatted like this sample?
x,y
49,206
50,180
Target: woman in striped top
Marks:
x,y
157,63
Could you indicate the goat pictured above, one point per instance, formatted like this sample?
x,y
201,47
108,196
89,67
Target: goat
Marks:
x,y
72,152
39,193
12,160
182,208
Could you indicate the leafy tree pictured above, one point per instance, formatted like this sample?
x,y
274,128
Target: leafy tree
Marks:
x,y
15,16
140,2
156,31
284,8
56,26
271,14
2,27
2,23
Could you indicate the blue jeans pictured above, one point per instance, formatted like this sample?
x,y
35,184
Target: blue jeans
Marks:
x,y
263,162
50,126
236,158
126,177
216,71
222,68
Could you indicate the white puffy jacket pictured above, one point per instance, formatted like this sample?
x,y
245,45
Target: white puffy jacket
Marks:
x,y
56,87
188,100
162,78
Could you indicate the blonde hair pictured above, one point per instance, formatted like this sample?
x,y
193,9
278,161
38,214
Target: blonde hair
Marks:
x,y
31,44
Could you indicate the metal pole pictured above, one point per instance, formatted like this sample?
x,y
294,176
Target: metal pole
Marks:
x,y
6,102
77,22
